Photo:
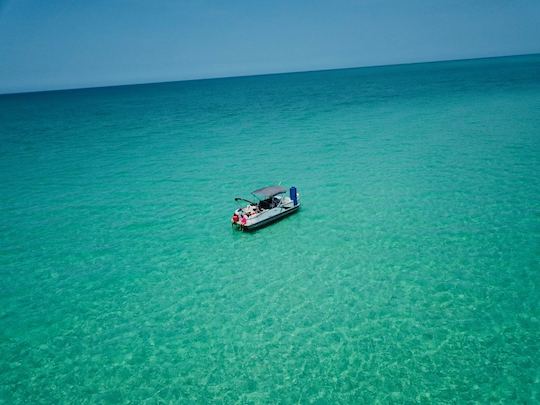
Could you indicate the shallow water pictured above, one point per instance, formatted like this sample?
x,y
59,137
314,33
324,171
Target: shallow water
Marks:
x,y
411,273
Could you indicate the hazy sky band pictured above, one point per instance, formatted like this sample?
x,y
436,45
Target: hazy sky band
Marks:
x,y
67,44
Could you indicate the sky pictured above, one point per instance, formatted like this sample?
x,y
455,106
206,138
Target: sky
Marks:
x,y
57,44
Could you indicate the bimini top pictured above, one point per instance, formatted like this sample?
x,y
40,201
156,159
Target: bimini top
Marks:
x,y
269,191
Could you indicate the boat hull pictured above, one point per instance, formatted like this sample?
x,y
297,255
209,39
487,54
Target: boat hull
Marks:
x,y
269,220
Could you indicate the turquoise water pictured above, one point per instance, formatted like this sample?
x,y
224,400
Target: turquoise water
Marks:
x,y
411,274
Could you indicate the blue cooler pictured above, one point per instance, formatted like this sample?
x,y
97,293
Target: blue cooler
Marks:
x,y
293,195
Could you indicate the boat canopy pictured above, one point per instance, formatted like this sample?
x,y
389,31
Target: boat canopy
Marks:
x,y
269,191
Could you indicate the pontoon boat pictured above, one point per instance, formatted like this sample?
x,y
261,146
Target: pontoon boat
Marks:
x,y
272,204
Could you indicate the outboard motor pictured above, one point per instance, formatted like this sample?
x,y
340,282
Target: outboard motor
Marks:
x,y
293,195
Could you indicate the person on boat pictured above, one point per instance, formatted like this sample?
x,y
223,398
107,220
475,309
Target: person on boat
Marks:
x,y
235,218
244,220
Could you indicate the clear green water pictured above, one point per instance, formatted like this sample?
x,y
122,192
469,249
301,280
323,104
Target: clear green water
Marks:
x,y
411,274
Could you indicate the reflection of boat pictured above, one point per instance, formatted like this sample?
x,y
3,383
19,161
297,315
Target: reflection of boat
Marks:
x,y
273,204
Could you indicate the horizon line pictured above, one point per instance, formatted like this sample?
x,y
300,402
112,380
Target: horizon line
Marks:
x,y
262,74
